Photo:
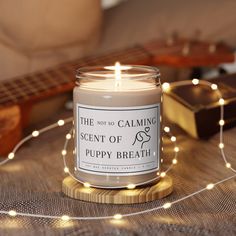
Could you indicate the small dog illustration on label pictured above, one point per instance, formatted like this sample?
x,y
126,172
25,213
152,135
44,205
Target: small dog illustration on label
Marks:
x,y
142,137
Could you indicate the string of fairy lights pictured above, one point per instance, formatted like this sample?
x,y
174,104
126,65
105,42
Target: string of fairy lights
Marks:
x,y
166,87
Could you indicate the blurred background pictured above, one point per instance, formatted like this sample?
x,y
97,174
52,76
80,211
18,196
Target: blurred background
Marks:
x,y
39,34
42,43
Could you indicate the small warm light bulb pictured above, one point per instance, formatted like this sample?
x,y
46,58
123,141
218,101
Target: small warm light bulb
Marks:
x,y
173,138
65,217
228,165
63,152
35,133
87,185
165,87
68,136
210,186
66,170
221,101
61,122
167,205
131,186
158,173
195,81
214,87
176,149
174,161
163,174
11,155
12,213
167,129
221,122
221,145
117,216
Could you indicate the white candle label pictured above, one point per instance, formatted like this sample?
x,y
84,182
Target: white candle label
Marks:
x,y
118,141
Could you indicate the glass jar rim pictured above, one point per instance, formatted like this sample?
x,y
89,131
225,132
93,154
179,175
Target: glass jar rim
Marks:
x,y
127,72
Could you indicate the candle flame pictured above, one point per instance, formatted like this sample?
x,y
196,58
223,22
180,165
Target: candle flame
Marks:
x,y
117,68
117,71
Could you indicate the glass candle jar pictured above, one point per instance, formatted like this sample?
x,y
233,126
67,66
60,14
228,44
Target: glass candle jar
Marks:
x,y
117,115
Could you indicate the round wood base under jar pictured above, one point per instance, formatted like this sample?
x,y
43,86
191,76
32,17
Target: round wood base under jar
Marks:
x,y
76,190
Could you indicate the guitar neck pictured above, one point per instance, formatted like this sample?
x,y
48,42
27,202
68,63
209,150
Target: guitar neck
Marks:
x,y
60,79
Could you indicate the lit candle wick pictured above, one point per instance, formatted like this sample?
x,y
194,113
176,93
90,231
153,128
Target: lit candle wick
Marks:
x,y
117,74
117,71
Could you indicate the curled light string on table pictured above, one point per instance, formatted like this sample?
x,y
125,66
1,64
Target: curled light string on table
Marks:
x,y
166,87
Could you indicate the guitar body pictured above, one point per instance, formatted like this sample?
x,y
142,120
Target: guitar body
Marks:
x,y
10,128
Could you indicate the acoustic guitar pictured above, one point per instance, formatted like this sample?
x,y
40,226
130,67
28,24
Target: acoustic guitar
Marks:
x,y
18,95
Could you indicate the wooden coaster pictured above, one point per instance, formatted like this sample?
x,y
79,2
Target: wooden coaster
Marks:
x,y
76,190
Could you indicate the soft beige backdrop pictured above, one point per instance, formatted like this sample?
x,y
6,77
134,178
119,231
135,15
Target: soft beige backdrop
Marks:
x,y
136,21
41,33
